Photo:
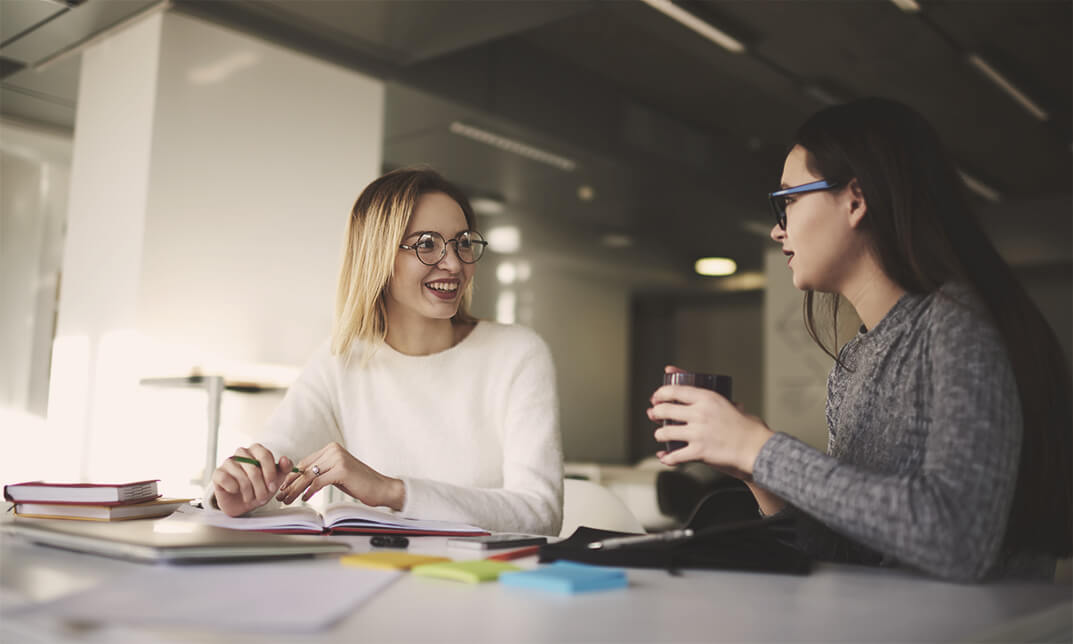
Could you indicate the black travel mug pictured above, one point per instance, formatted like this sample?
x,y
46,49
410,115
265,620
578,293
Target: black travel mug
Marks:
x,y
718,384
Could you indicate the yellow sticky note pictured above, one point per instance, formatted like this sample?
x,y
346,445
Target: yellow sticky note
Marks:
x,y
473,571
385,560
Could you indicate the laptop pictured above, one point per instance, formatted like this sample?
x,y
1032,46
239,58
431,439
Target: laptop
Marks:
x,y
168,542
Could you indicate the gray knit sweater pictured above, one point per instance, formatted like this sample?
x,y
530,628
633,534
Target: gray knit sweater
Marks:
x,y
924,436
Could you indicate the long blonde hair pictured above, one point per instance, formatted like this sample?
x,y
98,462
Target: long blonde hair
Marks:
x,y
375,229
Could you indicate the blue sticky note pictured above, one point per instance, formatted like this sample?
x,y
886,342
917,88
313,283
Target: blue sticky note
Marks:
x,y
567,577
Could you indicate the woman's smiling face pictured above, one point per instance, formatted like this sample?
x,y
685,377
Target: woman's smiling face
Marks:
x,y
433,292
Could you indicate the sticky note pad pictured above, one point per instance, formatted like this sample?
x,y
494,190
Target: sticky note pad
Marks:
x,y
567,577
473,571
384,560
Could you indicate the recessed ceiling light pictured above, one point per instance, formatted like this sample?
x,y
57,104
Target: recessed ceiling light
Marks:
x,y
506,273
487,206
512,145
702,27
586,193
504,239
822,94
908,6
715,266
979,187
1007,86
617,240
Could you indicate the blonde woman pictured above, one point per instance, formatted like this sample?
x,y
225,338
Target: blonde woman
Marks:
x,y
414,405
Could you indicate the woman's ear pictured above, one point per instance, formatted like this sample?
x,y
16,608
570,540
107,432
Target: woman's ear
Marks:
x,y
857,204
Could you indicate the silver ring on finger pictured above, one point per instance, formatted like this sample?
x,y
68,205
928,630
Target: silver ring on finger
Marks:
x,y
315,470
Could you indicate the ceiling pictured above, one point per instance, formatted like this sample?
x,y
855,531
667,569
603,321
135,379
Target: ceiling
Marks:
x,y
673,139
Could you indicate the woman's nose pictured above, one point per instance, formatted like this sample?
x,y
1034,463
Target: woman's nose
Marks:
x,y
450,261
777,233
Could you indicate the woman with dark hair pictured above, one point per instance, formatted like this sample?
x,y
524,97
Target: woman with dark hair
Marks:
x,y
948,414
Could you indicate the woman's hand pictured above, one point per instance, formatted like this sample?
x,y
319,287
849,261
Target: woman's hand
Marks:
x,y
717,432
338,467
241,487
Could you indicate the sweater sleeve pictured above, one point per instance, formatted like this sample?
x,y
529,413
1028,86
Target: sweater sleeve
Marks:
x,y
531,499
304,421
948,516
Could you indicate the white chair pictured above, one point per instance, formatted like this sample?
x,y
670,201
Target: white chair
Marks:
x,y
588,504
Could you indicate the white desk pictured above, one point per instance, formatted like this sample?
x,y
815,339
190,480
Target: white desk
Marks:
x,y
834,603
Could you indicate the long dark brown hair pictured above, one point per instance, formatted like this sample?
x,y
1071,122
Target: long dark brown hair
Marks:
x,y
925,235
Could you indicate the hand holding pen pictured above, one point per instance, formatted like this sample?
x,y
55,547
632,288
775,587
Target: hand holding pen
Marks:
x,y
249,479
253,461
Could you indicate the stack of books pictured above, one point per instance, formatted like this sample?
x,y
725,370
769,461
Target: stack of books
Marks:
x,y
89,501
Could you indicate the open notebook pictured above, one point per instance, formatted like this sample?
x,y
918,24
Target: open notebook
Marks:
x,y
338,518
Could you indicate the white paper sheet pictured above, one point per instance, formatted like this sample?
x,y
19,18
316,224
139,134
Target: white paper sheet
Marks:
x,y
266,597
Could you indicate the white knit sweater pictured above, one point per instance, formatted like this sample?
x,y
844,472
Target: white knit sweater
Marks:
x,y
473,431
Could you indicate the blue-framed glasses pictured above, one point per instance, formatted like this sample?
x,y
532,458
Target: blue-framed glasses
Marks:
x,y
781,198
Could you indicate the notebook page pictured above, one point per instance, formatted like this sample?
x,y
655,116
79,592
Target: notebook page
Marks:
x,y
295,518
357,515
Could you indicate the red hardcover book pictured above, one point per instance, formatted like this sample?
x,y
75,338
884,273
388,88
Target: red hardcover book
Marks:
x,y
82,493
95,512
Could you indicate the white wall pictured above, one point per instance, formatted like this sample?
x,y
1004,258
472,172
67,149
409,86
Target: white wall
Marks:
x,y
258,156
795,369
585,321
213,176
583,315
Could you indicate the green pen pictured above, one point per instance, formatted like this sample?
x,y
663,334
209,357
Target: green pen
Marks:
x,y
253,461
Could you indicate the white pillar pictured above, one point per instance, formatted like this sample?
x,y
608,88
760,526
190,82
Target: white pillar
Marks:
x,y
212,178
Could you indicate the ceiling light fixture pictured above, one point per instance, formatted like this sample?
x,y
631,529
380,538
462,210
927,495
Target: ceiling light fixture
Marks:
x,y
715,266
487,206
504,239
506,273
979,187
702,27
616,240
822,94
512,145
1005,85
908,6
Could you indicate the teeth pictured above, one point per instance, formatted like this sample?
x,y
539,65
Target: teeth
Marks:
x,y
443,286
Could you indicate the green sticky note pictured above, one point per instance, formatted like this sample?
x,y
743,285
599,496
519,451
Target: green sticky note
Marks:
x,y
473,571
